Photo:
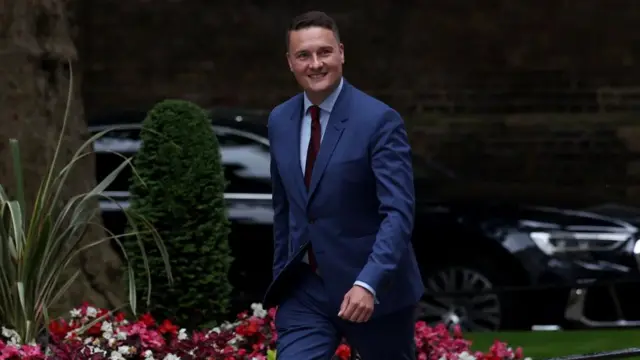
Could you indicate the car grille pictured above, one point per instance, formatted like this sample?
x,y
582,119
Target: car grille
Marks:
x,y
613,302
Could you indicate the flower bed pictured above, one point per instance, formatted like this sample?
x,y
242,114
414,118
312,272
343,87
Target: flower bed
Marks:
x,y
250,337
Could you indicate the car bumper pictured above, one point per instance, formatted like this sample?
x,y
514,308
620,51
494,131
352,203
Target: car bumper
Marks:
x,y
602,293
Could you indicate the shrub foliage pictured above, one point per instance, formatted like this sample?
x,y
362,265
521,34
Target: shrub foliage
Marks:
x,y
180,191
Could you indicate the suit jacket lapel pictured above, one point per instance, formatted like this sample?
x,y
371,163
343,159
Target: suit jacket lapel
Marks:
x,y
332,134
296,169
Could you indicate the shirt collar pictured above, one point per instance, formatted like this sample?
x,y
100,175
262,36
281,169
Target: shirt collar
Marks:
x,y
328,103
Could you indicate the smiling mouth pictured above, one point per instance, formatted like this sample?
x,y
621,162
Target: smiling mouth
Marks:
x,y
317,76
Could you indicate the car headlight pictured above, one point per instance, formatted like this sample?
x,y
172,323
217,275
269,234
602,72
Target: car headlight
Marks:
x,y
554,242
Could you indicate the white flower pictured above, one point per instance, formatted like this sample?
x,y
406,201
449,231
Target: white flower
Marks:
x,y
116,356
91,312
75,313
96,350
148,355
107,335
121,335
106,326
182,334
237,339
171,357
112,342
227,326
258,310
466,356
123,350
12,335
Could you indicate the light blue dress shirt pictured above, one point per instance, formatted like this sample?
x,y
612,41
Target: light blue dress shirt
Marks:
x,y
305,135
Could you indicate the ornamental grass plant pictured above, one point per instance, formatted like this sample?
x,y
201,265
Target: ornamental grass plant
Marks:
x,y
38,245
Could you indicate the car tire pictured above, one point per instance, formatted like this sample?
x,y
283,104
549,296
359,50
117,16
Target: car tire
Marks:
x,y
462,294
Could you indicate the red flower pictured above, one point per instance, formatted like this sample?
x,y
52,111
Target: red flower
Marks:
x,y
102,312
120,317
251,327
168,327
95,329
147,320
343,352
59,328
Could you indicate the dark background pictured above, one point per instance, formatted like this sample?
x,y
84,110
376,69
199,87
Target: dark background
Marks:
x,y
534,100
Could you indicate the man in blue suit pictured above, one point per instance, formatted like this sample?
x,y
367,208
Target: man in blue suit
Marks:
x,y
343,199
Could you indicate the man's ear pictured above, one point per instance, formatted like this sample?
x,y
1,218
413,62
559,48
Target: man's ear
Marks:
x,y
289,61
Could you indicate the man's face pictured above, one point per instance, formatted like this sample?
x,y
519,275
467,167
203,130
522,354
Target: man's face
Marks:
x,y
315,58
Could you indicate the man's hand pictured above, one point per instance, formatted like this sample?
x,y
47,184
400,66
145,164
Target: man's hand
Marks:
x,y
357,305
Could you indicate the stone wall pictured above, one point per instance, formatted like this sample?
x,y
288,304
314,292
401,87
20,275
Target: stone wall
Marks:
x,y
577,159
533,98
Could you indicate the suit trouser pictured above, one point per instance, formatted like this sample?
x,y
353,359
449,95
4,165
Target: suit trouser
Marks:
x,y
308,329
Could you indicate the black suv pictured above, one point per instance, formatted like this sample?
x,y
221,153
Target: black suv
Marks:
x,y
486,265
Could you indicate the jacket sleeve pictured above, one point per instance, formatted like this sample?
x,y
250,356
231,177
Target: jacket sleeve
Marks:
x,y
392,166
281,213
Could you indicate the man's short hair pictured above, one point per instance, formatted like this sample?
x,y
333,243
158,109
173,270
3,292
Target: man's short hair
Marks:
x,y
313,19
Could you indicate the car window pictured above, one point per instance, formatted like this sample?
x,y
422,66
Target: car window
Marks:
x,y
244,158
246,164
126,143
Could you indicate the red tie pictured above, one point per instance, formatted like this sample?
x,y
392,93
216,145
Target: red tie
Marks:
x,y
312,153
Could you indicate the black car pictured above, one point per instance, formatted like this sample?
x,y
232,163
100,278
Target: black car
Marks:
x,y
486,264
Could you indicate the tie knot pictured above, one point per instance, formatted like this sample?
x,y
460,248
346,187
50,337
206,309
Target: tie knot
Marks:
x,y
314,110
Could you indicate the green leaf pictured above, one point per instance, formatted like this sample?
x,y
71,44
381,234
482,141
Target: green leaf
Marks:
x,y
271,355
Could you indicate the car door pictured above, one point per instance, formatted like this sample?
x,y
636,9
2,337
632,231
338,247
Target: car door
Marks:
x,y
246,159
110,151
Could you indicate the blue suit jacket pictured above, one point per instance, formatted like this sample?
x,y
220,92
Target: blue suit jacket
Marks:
x,y
359,210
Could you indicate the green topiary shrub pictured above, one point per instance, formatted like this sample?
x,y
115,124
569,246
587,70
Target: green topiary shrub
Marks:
x,y
180,191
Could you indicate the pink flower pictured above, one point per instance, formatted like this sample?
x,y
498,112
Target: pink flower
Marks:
x,y
149,338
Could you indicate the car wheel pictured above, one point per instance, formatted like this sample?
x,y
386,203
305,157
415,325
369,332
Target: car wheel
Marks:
x,y
472,308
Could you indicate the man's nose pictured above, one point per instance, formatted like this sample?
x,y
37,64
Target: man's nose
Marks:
x,y
316,62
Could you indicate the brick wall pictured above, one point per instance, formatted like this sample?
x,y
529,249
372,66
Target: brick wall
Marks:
x,y
530,98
